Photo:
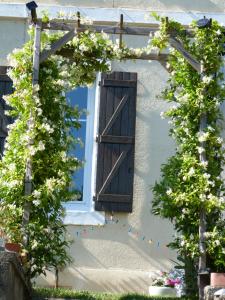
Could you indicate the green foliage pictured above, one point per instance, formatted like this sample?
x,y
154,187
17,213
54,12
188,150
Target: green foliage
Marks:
x,y
187,184
42,133
40,293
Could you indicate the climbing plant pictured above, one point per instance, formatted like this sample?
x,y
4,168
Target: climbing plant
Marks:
x,y
47,142
187,183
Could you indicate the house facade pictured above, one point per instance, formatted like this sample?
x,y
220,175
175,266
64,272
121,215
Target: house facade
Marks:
x,y
118,244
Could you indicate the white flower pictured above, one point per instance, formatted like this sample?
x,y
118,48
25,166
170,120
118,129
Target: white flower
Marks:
x,y
12,167
37,194
41,146
36,88
219,140
218,32
210,128
207,79
204,164
191,171
162,115
39,111
157,34
47,127
206,175
36,202
200,150
217,242
169,192
34,245
202,136
167,65
182,243
33,150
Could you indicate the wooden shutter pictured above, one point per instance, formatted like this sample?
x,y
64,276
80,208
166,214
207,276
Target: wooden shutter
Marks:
x,y
5,89
116,135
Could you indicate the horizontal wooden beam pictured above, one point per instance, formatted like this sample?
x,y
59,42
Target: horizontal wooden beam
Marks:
x,y
69,53
117,198
115,139
107,27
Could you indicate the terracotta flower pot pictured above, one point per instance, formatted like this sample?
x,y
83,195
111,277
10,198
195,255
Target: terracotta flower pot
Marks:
x,y
217,279
12,247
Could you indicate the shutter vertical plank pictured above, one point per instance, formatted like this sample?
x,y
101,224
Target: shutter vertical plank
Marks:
x,y
116,131
124,130
108,113
114,188
101,124
132,127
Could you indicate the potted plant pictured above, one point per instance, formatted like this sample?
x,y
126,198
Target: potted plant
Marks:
x,y
10,230
216,255
165,284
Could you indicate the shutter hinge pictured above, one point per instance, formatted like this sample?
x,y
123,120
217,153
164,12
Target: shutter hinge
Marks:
x,y
99,83
97,139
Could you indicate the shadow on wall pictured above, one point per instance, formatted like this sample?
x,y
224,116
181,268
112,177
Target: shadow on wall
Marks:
x,y
200,5
99,284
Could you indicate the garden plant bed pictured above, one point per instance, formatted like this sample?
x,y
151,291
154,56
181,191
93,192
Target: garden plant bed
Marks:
x,y
61,294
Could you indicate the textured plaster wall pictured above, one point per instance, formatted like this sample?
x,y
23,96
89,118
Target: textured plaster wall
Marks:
x,y
108,258
160,5
13,35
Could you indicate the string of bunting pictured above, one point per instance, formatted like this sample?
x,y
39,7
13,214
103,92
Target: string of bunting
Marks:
x,y
130,231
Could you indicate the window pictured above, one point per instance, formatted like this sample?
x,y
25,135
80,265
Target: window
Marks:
x,y
82,212
78,97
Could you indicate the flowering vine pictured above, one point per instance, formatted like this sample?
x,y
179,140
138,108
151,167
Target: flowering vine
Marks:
x,y
50,133
187,183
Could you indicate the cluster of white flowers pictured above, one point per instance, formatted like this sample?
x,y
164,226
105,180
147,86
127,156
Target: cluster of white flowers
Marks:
x,y
200,150
207,79
202,136
191,172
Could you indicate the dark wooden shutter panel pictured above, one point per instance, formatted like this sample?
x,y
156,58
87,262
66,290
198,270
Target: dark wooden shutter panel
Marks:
x,y
5,89
116,135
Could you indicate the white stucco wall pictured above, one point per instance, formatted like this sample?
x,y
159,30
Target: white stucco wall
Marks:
x,y
109,258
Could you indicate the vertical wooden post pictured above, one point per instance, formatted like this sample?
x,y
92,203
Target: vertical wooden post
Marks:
x,y
202,214
28,170
121,31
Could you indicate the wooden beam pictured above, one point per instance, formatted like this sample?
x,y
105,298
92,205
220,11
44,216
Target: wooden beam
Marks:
x,y
115,139
28,169
107,27
151,56
117,198
57,45
190,59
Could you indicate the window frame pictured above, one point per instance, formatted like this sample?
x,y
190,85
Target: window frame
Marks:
x,y
83,212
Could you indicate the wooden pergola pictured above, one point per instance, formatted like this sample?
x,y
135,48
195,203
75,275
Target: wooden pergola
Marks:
x,y
72,28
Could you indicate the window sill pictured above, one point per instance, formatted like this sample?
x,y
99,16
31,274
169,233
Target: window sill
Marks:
x,y
74,217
